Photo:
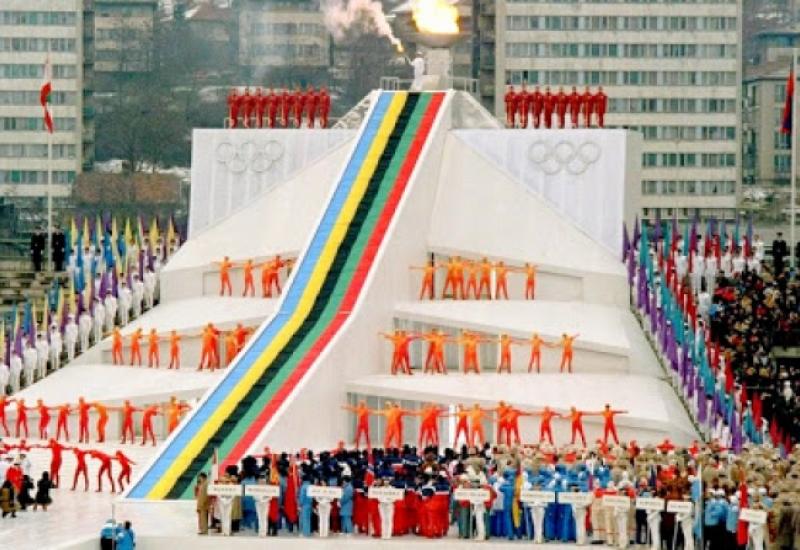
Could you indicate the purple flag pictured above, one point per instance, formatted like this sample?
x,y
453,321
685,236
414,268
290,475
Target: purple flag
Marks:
x,y
626,243
701,402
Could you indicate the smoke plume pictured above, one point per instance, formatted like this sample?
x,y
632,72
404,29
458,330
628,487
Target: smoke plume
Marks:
x,y
342,15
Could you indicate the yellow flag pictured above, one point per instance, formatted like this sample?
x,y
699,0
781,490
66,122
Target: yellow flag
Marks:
x,y
114,230
128,232
153,233
45,312
73,233
60,306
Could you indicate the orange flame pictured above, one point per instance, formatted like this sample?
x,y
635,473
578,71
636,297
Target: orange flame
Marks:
x,y
435,16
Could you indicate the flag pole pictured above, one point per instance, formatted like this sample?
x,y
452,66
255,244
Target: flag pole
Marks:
x,y
49,178
793,205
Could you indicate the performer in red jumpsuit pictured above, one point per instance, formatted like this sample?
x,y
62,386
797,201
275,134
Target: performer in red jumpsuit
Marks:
x,y
274,104
260,105
287,105
462,424
247,108
574,101
234,103
523,102
429,424
600,105
545,428
44,418
299,106
511,106
127,421
436,341
105,468
561,107
587,107
324,106
576,418
549,107
56,449
102,421
608,425
83,420
147,423
22,417
400,340
362,421
124,474
537,101
511,419
80,468
312,105
62,423
3,402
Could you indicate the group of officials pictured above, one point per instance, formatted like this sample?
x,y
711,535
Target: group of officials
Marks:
x,y
279,109
38,248
537,109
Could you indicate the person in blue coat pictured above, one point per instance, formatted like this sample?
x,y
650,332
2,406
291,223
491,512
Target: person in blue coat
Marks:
x,y
346,506
507,489
126,538
306,504
108,534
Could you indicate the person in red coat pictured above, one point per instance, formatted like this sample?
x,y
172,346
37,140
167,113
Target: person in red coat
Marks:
x,y
247,108
324,106
549,107
523,102
260,103
600,105
537,101
234,102
587,107
287,105
561,107
574,102
105,468
125,473
299,106
312,105
511,106
273,105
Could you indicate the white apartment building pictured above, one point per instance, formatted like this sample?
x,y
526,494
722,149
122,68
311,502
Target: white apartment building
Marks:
x,y
124,34
28,30
671,70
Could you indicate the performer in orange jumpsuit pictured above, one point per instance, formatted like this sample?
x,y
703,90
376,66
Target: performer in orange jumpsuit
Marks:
x,y
523,102
600,101
62,422
536,353
44,418
545,429
486,278
574,101
470,341
587,105
530,280
500,280
505,341
400,340
125,473
549,107
56,459
566,351
608,423
153,350
22,417
116,347
273,105
225,276
4,401
249,285
312,104
241,333
234,101
562,104
436,340
473,269
462,424
362,421
174,412
247,107
537,106
136,347
429,424
209,357
511,106
102,421
147,423
273,276
174,350
502,427
511,420
231,349
83,420
80,468
394,424
105,468
287,105
299,106
429,270
576,419
455,277
324,107
476,417
127,421
259,104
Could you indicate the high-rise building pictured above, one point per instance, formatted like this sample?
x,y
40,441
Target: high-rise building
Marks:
x,y
30,30
671,69
124,33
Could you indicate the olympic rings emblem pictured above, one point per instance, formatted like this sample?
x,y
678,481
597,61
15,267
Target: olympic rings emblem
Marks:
x,y
249,156
564,155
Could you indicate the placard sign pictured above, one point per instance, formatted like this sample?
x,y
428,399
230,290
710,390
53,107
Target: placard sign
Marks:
x,y
680,507
262,491
473,496
224,490
578,499
750,515
386,493
528,495
616,501
650,504
320,491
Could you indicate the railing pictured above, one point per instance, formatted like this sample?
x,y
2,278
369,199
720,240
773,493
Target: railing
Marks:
x,y
460,83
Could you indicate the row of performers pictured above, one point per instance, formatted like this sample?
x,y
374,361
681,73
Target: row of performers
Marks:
x,y
524,108
279,109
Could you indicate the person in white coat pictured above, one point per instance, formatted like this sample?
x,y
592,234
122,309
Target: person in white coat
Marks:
x,y
29,360
15,368
85,324
110,304
98,318
56,347
42,355
138,295
125,300
150,282
71,336
418,65
5,377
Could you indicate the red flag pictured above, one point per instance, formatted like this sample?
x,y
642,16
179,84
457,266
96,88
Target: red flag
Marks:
x,y
741,527
728,374
44,94
743,396
786,125
757,410
290,500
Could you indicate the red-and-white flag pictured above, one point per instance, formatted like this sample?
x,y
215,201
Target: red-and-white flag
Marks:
x,y
44,94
